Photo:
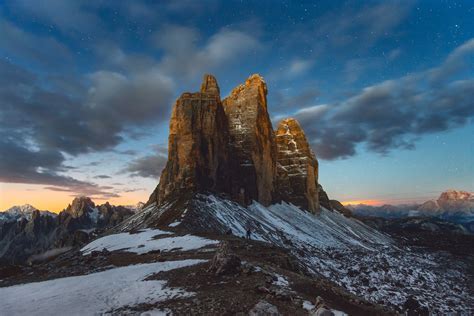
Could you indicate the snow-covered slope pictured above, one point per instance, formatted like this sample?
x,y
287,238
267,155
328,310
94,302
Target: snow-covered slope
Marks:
x,y
344,250
146,241
94,294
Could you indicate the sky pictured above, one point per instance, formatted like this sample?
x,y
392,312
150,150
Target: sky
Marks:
x,y
383,89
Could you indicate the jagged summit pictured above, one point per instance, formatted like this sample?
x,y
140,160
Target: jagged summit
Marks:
x,y
254,82
229,147
209,85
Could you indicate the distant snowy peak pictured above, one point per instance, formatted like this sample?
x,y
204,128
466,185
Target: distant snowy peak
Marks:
x,y
456,195
450,201
21,211
135,207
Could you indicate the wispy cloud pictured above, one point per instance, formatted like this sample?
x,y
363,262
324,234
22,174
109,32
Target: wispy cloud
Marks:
x,y
395,113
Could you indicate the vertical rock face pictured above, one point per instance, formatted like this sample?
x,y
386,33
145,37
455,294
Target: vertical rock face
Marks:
x,y
297,167
230,147
253,148
197,146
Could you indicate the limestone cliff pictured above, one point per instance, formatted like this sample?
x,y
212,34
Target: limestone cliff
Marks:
x,y
297,167
252,142
229,147
197,145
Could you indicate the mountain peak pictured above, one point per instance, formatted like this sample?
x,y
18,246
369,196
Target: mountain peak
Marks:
x,y
209,85
456,195
254,86
80,205
25,208
230,148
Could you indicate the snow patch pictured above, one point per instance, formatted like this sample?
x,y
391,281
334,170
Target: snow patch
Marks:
x,y
308,305
144,241
281,281
95,293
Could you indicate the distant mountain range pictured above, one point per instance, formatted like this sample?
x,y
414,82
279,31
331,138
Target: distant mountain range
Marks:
x,y
453,206
25,231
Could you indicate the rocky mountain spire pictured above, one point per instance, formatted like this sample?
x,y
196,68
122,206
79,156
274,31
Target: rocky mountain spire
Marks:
x,y
297,167
252,142
197,146
209,85
230,148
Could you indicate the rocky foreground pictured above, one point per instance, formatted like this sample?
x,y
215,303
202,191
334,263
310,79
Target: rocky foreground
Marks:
x,y
169,272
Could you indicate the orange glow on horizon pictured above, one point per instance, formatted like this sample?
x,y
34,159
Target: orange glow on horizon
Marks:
x,y
12,194
366,202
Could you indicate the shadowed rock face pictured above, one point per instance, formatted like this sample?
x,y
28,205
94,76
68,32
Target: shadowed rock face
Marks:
x,y
297,167
197,146
253,147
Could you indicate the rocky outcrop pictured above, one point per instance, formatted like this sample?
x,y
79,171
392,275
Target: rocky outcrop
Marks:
x,y
338,206
297,167
252,142
224,261
324,198
197,146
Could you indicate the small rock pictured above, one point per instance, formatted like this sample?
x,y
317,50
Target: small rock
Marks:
x,y
262,289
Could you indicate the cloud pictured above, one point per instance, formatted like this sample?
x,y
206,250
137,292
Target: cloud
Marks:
x,y
102,176
20,164
39,125
456,62
354,68
41,50
149,166
283,100
362,26
68,16
348,30
394,54
300,66
394,113
183,56
112,94
58,115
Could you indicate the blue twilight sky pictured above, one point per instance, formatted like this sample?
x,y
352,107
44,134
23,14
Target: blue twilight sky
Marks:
x,y
383,89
